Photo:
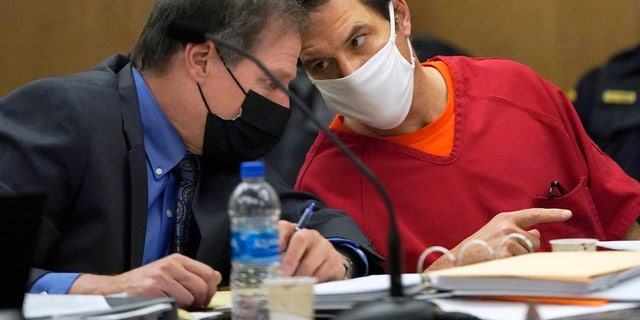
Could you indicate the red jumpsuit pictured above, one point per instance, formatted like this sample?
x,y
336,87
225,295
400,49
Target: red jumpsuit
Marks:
x,y
514,134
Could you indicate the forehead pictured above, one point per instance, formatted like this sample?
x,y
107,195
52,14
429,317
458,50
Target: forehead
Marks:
x,y
278,47
337,11
332,23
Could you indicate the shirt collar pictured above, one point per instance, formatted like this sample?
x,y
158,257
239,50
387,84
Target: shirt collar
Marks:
x,y
162,143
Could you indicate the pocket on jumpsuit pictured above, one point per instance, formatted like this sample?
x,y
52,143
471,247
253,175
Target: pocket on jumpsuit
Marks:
x,y
584,223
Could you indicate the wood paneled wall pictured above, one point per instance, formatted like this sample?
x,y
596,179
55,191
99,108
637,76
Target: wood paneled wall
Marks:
x,y
55,37
560,39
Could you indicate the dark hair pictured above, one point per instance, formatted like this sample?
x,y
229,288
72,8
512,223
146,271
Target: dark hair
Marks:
x,y
380,6
237,21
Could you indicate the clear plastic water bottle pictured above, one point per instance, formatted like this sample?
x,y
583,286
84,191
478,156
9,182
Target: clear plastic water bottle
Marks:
x,y
254,210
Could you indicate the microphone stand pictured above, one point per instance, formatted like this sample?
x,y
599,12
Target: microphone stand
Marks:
x,y
397,305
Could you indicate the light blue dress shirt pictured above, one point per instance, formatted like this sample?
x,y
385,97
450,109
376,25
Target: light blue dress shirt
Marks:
x,y
164,149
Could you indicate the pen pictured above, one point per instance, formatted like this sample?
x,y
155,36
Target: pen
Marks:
x,y
556,190
304,219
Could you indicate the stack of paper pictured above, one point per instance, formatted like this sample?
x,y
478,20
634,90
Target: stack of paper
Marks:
x,y
96,307
542,274
631,245
343,294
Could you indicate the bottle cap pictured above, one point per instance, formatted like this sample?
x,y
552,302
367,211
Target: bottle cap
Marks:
x,y
252,169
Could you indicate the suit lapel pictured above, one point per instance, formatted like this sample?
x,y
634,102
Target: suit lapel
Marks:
x,y
132,129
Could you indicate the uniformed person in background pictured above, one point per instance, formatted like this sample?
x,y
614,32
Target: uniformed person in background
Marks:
x,y
606,99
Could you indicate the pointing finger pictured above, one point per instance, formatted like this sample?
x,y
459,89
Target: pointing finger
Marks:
x,y
529,217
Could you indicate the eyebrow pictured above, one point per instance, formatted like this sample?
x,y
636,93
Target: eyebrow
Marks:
x,y
356,29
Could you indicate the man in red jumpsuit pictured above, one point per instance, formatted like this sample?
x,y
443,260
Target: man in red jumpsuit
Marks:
x,y
467,148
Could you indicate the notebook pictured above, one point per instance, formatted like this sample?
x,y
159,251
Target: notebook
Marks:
x,y
20,216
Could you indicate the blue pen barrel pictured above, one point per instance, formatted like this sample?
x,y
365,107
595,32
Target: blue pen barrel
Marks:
x,y
306,215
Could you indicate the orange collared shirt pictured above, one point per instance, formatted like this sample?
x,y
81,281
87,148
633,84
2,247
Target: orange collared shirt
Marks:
x,y
437,137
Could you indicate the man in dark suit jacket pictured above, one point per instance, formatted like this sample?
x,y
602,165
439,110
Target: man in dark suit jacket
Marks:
x,y
102,145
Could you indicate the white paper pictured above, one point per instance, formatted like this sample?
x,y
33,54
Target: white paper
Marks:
x,y
620,245
343,294
201,315
147,312
368,284
503,310
51,305
626,290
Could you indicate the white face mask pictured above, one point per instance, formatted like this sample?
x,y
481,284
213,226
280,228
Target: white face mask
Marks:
x,y
380,92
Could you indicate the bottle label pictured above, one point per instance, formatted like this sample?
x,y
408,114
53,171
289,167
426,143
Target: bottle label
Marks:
x,y
249,246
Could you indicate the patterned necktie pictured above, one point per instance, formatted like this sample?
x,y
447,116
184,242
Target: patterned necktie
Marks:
x,y
187,173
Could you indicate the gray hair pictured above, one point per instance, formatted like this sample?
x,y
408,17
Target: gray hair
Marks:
x,y
237,21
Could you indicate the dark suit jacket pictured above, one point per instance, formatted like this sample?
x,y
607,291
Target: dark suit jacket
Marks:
x,y
79,139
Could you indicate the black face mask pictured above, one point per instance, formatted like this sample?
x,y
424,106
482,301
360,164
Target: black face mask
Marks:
x,y
248,137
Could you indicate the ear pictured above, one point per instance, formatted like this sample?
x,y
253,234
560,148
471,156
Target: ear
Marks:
x,y
200,60
403,17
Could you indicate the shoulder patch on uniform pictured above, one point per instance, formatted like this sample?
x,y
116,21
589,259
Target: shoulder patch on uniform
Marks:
x,y
572,94
619,97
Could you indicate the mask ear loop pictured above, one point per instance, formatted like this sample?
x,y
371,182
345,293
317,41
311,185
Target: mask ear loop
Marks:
x,y
392,36
234,79
231,73
203,99
232,76
392,20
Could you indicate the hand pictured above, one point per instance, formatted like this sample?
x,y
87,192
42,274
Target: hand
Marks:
x,y
309,254
191,283
501,225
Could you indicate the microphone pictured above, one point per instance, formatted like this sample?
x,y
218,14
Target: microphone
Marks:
x,y
398,305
